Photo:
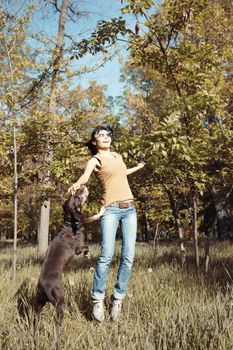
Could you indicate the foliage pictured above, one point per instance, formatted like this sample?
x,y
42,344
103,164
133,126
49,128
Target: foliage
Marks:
x,y
177,68
176,112
25,101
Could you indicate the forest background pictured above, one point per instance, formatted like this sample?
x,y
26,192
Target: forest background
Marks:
x,y
175,112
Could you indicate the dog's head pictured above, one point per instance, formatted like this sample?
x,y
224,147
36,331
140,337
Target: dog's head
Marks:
x,y
76,201
72,207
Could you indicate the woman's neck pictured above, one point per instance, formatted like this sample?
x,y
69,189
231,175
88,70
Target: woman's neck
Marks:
x,y
104,152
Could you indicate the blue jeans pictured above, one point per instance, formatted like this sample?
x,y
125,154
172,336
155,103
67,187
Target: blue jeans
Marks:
x,y
109,223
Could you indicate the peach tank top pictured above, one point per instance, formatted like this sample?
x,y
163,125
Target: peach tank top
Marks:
x,y
113,178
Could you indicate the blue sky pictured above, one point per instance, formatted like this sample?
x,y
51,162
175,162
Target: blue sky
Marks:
x,y
45,23
109,75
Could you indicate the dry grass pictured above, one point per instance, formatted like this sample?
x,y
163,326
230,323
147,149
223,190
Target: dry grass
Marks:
x,y
166,307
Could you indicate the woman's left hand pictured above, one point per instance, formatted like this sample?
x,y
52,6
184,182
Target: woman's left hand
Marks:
x,y
141,165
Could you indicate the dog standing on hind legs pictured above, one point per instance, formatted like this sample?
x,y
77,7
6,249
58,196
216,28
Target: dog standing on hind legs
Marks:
x,y
70,241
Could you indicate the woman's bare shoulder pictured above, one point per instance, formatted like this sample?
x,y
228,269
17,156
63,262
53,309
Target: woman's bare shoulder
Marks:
x,y
96,162
92,160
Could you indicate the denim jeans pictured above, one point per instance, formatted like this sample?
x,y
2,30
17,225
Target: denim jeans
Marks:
x,y
109,223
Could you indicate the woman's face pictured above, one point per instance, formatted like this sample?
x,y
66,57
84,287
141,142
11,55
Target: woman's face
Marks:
x,y
103,140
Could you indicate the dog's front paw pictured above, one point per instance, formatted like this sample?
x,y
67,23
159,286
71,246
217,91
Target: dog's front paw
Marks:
x,y
87,255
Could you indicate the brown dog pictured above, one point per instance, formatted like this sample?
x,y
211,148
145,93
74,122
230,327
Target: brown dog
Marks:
x,y
70,241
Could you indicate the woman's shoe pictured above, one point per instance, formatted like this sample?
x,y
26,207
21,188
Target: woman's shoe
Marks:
x,y
116,308
98,310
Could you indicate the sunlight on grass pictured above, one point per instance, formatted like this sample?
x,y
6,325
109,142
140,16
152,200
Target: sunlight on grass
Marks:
x,y
165,307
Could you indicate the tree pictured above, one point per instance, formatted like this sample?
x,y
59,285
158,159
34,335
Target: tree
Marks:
x,y
189,65
13,63
56,64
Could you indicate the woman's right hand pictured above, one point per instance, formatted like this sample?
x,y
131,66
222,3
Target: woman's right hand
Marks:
x,y
72,189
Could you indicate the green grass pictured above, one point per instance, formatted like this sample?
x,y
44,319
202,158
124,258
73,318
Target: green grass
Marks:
x,y
165,308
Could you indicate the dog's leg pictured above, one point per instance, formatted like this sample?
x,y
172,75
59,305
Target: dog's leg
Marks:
x,y
60,311
40,302
38,309
60,304
60,315
59,307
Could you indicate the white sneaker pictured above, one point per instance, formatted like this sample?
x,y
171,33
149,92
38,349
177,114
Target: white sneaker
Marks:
x,y
116,308
98,310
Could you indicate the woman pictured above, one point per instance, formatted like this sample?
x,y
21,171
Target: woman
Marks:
x,y
117,199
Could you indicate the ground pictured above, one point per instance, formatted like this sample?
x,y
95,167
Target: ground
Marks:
x,y
166,307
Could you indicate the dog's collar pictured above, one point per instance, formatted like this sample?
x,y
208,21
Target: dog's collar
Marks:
x,y
68,223
75,225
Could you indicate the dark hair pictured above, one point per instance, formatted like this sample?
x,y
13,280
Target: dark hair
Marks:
x,y
90,144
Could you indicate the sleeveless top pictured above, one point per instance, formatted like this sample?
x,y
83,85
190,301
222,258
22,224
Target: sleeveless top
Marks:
x,y
113,178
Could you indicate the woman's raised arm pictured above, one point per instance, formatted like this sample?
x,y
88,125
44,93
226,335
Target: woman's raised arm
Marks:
x,y
136,168
91,164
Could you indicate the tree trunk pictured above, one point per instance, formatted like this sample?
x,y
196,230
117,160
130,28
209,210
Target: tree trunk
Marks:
x,y
178,225
11,108
181,238
15,207
146,226
195,235
224,218
43,234
207,245
44,224
207,253
156,234
2,235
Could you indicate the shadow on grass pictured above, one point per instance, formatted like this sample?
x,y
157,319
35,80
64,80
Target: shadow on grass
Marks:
x,y
84,302
220,268
220,272
25,301
25,298
22,261
81,263
77,263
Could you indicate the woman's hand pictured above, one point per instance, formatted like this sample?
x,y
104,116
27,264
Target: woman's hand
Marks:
x,y
95,217
140,165
136,168
73,188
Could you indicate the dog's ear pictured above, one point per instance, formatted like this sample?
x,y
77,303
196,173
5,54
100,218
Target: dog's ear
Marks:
x,y
66,211
75,205
65,205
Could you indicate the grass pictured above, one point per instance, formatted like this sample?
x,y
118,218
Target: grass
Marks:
x,y
165,307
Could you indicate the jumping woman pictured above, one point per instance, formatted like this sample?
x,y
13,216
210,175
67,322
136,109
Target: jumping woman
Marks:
x,y
117,200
